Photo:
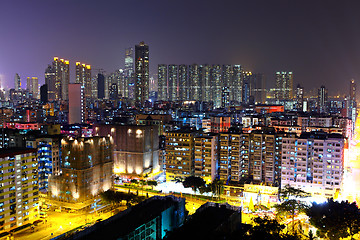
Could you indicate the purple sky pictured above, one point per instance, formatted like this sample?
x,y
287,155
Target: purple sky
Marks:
x,y
318,40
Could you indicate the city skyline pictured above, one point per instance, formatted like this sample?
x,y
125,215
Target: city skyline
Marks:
x,y
317,42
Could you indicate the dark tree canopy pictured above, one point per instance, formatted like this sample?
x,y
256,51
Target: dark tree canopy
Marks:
x,y
194,182
335,220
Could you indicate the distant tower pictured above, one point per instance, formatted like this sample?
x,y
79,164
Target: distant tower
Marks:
x,y
205,82
163,93
284,86
237,81
352,92
50,81
246,87
32,85
129,73
183,83
173,82
322,99
62,78
194,82
44,94
17,82
76,103
141,73
215,76
299,98
258,88
101,86
83,76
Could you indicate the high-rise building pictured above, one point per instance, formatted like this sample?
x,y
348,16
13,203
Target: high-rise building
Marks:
x,y
206,155
17,82
183,83
44,94
352,90
141,73
83,76
20,187
194,80
62,78
205,81
246,87
299,98
129,73
32,85
49,157
216,85
284,86
237,82
258,88
163,93
101,86
227,76
179,154
77,107
322,99
313,162
225,98
50,81
173,82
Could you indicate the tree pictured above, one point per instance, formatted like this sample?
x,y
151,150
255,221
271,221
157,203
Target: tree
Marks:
x,y
335,220
291,203
270,229
152,183
194,182
217,187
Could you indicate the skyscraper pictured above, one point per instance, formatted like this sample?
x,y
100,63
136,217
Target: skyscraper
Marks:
x,y
129,73
101,86
205,81
141,73
194,82
83,76
76,103
299,98
62,78
50,80
17,82
216,85
258,88
173,82
44,94
32,85
352,91
284,85
322,99
237,82
183,83
162,82
246,87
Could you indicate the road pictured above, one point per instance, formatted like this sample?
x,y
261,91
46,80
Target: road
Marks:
x,y
59,223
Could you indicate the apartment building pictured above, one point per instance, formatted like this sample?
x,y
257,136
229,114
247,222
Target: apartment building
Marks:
x,y
313,162
179,154
19,191
206,155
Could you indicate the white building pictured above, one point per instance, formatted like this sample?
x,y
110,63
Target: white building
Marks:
x,y
313,162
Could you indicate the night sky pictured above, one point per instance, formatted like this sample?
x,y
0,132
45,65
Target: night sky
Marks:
x,y
318,40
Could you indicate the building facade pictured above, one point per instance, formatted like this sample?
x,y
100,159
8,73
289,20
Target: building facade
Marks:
x,y
19,189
